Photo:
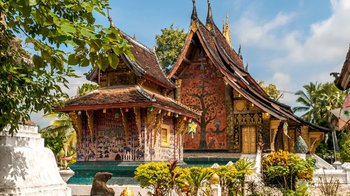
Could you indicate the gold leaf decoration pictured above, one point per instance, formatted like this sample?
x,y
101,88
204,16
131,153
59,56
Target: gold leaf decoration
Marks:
x,y
77,125
90,115
138,121
157,125
126,127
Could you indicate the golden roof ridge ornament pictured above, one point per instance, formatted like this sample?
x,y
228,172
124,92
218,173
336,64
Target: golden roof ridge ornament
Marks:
x,y
194,17
210,21
240,52
226,31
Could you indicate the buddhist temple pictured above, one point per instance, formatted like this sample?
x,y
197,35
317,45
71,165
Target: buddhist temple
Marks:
x,y
129,120
237,115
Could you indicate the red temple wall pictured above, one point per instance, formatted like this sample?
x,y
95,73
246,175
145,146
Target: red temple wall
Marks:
x,y
203,88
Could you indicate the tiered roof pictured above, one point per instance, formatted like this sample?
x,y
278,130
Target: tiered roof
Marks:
x,y
343,80
126,97
230,64
144,65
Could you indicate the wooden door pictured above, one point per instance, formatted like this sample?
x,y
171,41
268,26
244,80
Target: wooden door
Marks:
x,y
248,140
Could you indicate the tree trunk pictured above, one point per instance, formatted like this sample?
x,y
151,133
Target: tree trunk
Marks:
x,y
203,138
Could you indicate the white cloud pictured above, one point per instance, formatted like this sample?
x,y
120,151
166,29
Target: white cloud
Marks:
x,y
256,34
297,56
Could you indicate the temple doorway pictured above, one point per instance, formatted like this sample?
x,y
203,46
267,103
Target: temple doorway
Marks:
x,y
248,140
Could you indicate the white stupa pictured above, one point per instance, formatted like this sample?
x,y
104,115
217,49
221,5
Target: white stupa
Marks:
x,y
27,167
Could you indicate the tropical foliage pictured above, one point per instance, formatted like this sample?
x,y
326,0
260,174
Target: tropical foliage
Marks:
x,y
86,88
155,176
197,178
169,44
244,168
345,151
163,178
317,100
271,90
60,137
283,169
31,82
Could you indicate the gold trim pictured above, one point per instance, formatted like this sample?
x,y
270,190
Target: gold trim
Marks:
x,y
90,115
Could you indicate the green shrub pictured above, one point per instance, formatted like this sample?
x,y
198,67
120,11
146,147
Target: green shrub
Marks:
x,y
345,151
244,167
154,175
197,177
282,169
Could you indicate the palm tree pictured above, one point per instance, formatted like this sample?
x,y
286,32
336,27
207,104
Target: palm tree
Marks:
x,y
317,101
198,177
308,99
244,168
60,136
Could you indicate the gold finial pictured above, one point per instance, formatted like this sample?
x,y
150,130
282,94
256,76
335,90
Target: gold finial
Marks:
x,y
215,179
194,11
209,17
127,192
226,31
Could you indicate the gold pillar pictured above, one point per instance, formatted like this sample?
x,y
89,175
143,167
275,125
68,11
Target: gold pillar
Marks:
x,y
90,115
273,132
77,125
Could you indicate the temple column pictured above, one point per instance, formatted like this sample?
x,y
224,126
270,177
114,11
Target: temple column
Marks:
x,y
291,141
229,117
305,135
273,132
285,142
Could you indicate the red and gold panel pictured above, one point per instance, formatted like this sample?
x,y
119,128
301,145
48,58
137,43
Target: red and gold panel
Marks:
x,y
203,89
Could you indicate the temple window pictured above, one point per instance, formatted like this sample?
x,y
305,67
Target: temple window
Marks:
x,y
165,136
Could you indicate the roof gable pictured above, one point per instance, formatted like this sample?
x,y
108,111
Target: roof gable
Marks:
x,y
145,64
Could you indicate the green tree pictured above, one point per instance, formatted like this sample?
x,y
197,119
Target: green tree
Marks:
x,y
86,88
30,83
271,90
169,44
317,100
60,135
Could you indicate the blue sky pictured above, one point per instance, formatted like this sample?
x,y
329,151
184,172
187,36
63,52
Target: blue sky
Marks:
x,y
288,43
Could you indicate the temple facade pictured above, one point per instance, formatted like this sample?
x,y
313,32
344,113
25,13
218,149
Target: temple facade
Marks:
x,y
132,118
237,115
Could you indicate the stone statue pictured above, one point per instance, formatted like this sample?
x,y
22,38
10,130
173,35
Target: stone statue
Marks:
x,y
99,186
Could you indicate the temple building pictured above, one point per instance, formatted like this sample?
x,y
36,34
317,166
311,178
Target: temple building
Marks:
x,y
130,119
237,115
342,80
